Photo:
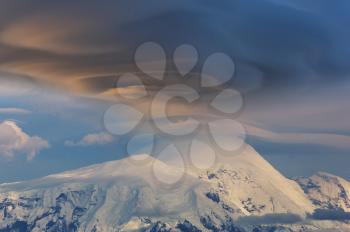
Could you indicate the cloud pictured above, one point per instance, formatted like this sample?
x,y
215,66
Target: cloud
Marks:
x,y
312,108
14,111
331,214
82,46
91,139
13,85
62,41
57,36
323,139
282,218
13,141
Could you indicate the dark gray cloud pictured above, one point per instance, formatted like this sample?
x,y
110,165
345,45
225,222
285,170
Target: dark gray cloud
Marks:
x,y
331,214
286,42
284,218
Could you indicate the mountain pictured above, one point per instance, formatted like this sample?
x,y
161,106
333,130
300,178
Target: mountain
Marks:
x,y
241,193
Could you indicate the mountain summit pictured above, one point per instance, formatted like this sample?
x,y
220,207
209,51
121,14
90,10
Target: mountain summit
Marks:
x,y
242,193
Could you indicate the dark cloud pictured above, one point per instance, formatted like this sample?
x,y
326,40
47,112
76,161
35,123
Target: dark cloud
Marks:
x,y
287,218
285,42
284,218
331,214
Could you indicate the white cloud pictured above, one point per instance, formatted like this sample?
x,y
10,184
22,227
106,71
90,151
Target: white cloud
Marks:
x,y
91,139
13,141
14,111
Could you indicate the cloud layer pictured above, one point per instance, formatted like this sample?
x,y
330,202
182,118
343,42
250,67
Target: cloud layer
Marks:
x,y
13,142
79,45
320,139
83,46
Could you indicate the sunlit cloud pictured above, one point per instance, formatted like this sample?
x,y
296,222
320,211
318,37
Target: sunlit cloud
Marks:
x,y
14,141
50,33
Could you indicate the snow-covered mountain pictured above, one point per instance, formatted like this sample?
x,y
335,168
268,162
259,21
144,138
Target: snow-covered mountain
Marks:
x,y
242,193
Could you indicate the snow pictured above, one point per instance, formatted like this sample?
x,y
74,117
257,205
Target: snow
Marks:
x,y
327,191
125,195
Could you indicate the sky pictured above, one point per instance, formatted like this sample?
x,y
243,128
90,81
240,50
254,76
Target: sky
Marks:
x,y
59,61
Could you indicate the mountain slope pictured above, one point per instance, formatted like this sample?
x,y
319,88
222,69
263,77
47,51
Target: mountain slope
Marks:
x,y
125,196
256,188
327,191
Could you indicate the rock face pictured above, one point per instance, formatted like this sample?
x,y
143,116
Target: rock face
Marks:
x,y
244,193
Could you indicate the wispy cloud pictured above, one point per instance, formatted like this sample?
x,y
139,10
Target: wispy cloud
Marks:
x,y
12,85
14,141
14,111
91,139
323,139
